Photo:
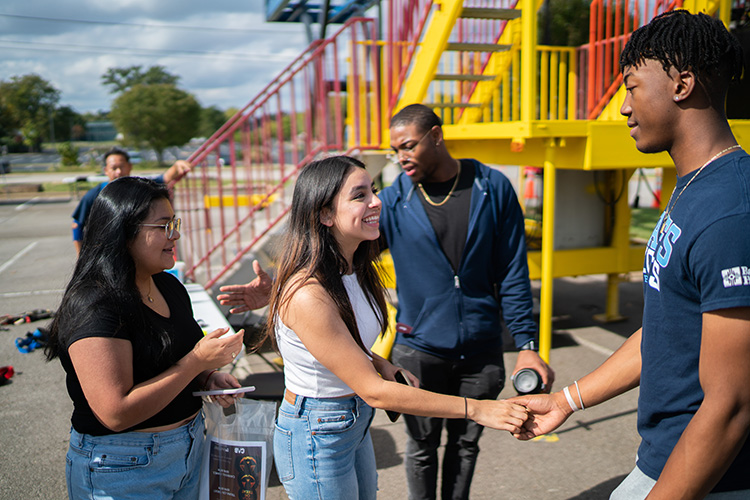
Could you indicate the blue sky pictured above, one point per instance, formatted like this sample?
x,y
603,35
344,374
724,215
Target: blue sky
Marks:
x,y
72,43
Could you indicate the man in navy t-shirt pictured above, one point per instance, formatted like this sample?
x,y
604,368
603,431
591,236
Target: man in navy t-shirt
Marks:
x,y
691,357
116,165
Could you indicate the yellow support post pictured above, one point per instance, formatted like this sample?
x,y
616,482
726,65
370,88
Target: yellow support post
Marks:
x,y
528,60
548,248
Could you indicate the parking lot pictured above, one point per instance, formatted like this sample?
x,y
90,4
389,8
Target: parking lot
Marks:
x,y
585,459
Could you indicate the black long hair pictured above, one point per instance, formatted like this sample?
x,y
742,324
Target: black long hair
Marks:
x,y
685,41
311,251
104,275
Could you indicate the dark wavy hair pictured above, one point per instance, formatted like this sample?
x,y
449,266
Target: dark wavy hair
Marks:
x,y
311,251
418,114
685,41
104,275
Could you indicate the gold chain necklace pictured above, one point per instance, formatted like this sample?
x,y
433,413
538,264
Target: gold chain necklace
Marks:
x,y
447,197
669,209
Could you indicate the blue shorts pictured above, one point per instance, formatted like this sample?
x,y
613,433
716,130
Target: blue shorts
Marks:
x,y
136,465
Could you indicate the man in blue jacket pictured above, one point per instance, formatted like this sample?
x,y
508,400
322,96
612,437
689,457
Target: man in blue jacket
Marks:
x,y
456,234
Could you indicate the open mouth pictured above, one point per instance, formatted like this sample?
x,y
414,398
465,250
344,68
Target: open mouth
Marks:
x,y
372,219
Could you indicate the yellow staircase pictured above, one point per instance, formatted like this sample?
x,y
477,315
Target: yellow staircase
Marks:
x,y
505,100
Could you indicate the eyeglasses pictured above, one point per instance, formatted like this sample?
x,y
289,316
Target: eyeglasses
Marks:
x,y
169,228
397,152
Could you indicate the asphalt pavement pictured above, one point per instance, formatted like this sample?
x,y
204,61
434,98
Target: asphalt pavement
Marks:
x,y
585,459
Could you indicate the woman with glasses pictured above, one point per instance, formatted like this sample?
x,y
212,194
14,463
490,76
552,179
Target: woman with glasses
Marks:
x,y
133,354
327,308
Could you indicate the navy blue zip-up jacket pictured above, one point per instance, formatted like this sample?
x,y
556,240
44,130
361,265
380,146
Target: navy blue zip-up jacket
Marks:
x,y
456,316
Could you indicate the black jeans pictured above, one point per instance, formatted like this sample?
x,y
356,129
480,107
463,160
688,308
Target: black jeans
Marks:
x,y
479,377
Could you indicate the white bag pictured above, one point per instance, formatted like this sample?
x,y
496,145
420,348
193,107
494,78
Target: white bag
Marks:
x,y
239,450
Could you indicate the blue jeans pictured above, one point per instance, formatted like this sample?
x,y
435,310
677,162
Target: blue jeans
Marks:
x,y
137,465
478,377
322,449
637,486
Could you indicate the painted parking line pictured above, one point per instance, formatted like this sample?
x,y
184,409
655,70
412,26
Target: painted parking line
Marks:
x,y
591,345
10,295
25,205
17,256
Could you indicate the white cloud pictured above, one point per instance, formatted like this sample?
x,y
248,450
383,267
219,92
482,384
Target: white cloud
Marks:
x,y
74,55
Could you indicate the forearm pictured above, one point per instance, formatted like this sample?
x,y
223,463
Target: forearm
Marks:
x,y
402,398
148,398
618,374
704,452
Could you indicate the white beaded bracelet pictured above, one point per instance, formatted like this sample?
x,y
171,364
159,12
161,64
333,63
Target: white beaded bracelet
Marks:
x,y
572,403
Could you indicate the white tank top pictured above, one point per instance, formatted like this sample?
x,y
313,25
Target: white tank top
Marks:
x,y
306,376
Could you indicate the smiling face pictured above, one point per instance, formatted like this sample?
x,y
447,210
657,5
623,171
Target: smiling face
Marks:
x,y
117,166
355,214
416,150
650,105
151,250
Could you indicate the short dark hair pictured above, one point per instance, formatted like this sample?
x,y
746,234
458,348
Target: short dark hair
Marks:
x,y
685,41
116,151
418,114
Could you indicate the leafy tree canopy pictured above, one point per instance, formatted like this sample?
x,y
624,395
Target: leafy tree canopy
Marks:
x,y
564,23
122,79
160,115
212,118
28,103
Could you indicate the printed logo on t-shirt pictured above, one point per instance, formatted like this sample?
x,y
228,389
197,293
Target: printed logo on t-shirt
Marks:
x,y
659,250
736,276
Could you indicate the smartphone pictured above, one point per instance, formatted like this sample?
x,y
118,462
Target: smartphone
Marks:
x,y
401,379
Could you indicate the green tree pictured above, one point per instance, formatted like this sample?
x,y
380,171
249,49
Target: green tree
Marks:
x,y
30,102
68,124
212,118
564,23
160,115
122,79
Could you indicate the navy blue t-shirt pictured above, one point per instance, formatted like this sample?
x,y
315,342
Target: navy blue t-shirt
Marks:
x,y
697,261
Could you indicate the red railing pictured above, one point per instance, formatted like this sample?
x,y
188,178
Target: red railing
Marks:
x,y
406,21
238,190
610,25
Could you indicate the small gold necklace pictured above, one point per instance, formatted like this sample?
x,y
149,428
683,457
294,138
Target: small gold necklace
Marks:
x,y
669,209
148,295
447,197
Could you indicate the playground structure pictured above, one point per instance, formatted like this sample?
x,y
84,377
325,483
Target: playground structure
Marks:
x,y
504,100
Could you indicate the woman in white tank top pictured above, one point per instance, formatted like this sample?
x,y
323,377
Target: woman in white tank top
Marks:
x,y
327,308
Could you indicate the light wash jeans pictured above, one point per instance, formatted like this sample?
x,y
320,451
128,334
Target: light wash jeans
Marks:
x,y
323,450
637,485
137,465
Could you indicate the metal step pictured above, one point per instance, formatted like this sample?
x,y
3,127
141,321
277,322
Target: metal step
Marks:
x,y
485,13
452,105
477,47
464,78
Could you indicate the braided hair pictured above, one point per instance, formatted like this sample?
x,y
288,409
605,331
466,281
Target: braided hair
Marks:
x,y
685,41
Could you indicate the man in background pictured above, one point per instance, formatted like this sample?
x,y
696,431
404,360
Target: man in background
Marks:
x,y
116,165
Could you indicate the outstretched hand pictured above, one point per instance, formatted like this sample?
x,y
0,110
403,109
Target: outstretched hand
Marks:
x,y
546,413
249,296
504,415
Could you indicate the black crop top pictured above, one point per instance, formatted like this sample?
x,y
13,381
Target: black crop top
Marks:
x,y
184,333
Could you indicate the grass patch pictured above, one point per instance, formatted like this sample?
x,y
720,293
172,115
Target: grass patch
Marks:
x,y
643,221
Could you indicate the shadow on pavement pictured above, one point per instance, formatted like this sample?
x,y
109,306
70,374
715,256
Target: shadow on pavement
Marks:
x,y
601,490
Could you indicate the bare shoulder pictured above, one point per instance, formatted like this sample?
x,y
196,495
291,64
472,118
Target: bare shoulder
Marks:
x,y
304,296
